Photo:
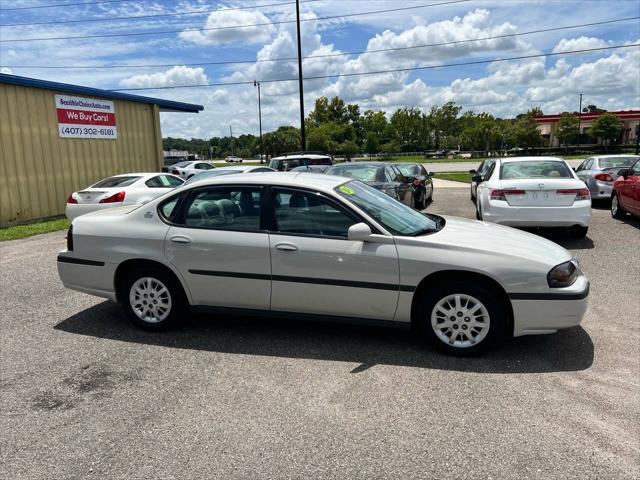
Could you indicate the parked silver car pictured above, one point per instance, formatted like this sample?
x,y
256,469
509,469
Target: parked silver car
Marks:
x,y
599,173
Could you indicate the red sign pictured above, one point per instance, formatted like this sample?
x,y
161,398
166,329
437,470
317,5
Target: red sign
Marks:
x,y
81,117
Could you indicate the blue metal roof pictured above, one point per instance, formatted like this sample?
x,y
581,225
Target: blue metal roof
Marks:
x,y
165,105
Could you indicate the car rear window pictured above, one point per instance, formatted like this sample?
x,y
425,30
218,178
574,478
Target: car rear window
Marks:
x,y
616,162
534,169
409,170
116,182
364,173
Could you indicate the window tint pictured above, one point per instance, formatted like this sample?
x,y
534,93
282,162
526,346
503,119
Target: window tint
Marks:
x,y
203,166
588,164
168,208
163,181
224,208
635,169
116,182
617,162
534,169
305,213
410,170
489,172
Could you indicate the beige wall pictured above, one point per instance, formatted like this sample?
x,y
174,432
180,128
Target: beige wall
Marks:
x,y
38,169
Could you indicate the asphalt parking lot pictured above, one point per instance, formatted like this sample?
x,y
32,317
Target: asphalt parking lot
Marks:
x,y
86,395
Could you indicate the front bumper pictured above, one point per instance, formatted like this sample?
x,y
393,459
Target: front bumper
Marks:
x,y
548,312
502,213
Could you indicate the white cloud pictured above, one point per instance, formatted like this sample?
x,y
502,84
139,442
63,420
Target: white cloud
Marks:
x,y
178,75
6,70
232,19
581,43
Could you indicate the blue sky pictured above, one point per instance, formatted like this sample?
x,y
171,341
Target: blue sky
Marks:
x,y
610,79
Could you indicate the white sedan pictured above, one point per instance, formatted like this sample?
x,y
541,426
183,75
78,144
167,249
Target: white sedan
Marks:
x,y
304,245
127,189
188,169
534,192
231,170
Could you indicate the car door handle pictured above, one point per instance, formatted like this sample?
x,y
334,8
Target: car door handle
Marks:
x,y
180,239
286,247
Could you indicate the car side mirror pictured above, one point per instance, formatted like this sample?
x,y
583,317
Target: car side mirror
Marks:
x,y
477,178
431,174
623,172
360,232
473,172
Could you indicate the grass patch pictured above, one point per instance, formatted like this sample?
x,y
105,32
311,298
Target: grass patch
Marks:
x,y
24,231
454,176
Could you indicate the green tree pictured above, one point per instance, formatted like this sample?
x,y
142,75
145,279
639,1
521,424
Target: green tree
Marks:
x,y
593,109
348,148
408,129
443,123
524,132
607,127
479,132
372,144
567,129
284,139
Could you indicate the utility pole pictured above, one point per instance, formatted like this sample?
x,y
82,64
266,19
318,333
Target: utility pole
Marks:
x,y
303,142
579,121
257,84
231,135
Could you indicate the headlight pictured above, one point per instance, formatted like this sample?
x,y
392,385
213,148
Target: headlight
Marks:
x,y
563,275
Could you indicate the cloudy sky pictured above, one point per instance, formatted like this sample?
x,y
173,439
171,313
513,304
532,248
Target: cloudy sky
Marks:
x,y
348,42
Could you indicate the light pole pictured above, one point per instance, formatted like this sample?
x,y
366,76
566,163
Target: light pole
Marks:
x,y
303,142
257,84
579,121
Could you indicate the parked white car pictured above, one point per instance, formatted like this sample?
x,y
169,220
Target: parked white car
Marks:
x,y
233,159
127,189
305,245
188,169
534,192
230,170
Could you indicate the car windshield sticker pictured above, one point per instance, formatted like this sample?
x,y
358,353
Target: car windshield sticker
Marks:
x,y
347,190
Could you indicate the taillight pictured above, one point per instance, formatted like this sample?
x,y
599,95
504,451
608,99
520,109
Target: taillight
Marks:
x,y
498,194
115,198
417,182
70,239
580,193
70,199
605,177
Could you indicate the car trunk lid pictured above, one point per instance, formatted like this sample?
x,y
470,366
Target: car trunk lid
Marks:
x,y
94,195
540,192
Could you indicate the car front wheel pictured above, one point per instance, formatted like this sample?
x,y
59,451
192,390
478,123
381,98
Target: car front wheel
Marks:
x,y
152,299
616,209
462,318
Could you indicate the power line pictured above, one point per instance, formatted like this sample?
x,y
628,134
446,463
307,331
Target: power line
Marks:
x,y
158,15
231,27
379,72
361,52
54,5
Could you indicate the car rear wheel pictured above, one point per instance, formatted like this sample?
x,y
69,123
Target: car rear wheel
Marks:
x,y
462,318
152,299
578,231
616,209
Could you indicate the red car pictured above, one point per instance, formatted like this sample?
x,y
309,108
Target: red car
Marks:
x,y
625,197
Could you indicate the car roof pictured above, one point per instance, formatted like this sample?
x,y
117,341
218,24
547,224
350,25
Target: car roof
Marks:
x,y
529,159
286,179
613,155
359,164
301,155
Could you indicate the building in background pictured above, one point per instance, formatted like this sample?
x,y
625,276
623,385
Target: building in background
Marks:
x,y
57,138
548,125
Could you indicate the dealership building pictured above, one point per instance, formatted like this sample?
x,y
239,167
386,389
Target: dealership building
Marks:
x,y
548,126
57,138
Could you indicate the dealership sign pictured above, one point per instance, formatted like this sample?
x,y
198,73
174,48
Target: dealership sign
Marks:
x,y
81,117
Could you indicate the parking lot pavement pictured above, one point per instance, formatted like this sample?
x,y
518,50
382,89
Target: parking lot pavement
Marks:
x,y
85,395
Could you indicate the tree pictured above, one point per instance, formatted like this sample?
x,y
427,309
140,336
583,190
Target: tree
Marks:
x,y
443,122
284,139
348,149
524,132
479,132
593,109
567,131
372,144
607,127
408,129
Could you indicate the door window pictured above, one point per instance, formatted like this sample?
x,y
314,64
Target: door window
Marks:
x,y
306,213
223,208
487,176
203,166
163,181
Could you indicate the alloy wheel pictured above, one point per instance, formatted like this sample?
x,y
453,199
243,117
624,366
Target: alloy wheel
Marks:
x,y
150,300
460,320
614,205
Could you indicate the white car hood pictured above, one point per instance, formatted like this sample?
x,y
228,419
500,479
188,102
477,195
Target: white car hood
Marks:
x,y
470,236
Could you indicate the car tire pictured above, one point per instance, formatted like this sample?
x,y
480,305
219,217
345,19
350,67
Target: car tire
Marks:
x,y
578,231
161,288
616,209
446,321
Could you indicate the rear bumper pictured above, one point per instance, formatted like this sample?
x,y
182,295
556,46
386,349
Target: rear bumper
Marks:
x,y
87,276
546,313
500,212
601,190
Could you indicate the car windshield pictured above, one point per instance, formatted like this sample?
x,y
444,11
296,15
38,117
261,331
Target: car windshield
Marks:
x,y
364,173
409,170
534,169
616,162
112,182
210,174
395,216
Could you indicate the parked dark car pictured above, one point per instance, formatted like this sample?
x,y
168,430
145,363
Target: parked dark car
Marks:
x,y
482,170
421,181
382,176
